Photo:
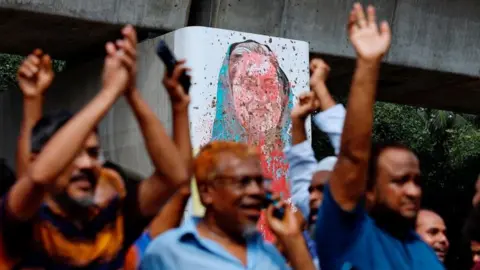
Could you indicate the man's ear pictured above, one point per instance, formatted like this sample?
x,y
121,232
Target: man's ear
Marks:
x,y
205,191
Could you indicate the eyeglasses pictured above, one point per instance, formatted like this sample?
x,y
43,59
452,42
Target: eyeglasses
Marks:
x,y
242,182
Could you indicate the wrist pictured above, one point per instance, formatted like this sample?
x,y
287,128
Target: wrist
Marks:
x,y
371,63
180,107
33,98
298,121
291,237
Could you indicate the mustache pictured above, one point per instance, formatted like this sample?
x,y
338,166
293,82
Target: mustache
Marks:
x,y
85,174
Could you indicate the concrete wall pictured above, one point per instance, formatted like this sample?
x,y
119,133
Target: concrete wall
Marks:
x,y
160,14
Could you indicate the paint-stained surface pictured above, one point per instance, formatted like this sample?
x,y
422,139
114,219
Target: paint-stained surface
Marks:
x,y
244,87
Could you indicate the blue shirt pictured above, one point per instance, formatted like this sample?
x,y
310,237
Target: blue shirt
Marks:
x,y
301,158
185,249
352,240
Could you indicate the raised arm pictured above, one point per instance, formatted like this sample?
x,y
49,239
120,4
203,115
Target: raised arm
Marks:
x,y
300,156
34,77
170,216
348,182
332,117
171,171
27,195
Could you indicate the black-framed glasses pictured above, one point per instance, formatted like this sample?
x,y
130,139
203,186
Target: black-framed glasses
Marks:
x,y
242,182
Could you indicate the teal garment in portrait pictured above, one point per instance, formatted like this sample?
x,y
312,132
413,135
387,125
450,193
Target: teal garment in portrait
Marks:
x,y
226,125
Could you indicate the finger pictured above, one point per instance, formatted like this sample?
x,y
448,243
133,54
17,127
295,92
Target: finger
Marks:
x,y
177,71
372,18
47,62
352,22
130,33
32,68
33,59
269,214
181,62
126,60
360,14
127,47
25,72
37,52
110,48
385,31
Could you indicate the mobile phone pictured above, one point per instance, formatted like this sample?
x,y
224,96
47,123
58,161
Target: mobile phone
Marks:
x,y
170,61
278,212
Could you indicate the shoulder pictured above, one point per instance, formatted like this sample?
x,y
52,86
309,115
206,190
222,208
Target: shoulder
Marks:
x,y
165,241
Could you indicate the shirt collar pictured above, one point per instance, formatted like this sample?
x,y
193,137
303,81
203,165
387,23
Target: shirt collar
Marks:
x,y
189,228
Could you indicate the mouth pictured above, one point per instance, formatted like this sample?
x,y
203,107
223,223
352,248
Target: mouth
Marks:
x,y
441,252
252,210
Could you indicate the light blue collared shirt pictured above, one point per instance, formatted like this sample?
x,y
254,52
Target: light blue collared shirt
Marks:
x,y
184,249
301,158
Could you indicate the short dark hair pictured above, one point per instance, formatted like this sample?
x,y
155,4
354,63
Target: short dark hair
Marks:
x,y
376,151
46,127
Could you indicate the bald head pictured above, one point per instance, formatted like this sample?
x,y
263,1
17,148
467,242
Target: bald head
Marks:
x,y
431,227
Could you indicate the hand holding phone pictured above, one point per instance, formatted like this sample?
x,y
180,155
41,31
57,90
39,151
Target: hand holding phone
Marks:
x,y
170,62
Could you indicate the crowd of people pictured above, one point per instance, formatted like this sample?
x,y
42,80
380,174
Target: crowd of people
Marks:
x,y
66,207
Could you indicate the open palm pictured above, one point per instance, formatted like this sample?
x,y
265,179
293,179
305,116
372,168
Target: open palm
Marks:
x,y
369,41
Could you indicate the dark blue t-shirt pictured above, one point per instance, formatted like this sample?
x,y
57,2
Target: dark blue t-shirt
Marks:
x,y
352,240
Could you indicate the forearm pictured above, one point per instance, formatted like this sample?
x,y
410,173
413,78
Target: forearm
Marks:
x,y
297,252
181,134
171,214
326,100
299,134
61,150
349,179
162,151
32,112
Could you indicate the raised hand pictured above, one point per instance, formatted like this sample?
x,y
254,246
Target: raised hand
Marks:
x,y
116,76
129,46
307,104
370,41
180,99
35,74
319,71
288,226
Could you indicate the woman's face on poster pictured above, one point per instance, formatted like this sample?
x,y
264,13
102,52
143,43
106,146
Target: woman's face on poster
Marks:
x,y
257,91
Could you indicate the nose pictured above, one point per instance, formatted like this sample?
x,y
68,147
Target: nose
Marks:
x,y
315,196
412,190
444,240
255,189
85,161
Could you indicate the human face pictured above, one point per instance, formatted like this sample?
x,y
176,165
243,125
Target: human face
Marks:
x,y
80,179
257,92
433,231
237,194
315,190
475,247
397,187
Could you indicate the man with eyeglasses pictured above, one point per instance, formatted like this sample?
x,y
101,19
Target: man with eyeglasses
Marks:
x,y
232,188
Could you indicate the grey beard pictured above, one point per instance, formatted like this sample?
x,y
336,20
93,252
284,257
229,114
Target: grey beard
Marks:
x,y
86,202
249,231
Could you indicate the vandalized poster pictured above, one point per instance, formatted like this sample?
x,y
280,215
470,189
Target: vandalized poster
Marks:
x,y
243,89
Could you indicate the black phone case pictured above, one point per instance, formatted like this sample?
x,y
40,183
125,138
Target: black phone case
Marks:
x,y
170,61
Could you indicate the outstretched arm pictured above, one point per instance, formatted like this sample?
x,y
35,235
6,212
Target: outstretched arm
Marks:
x,y
348,182
332,117
170,169
170,216
27,195
34,77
